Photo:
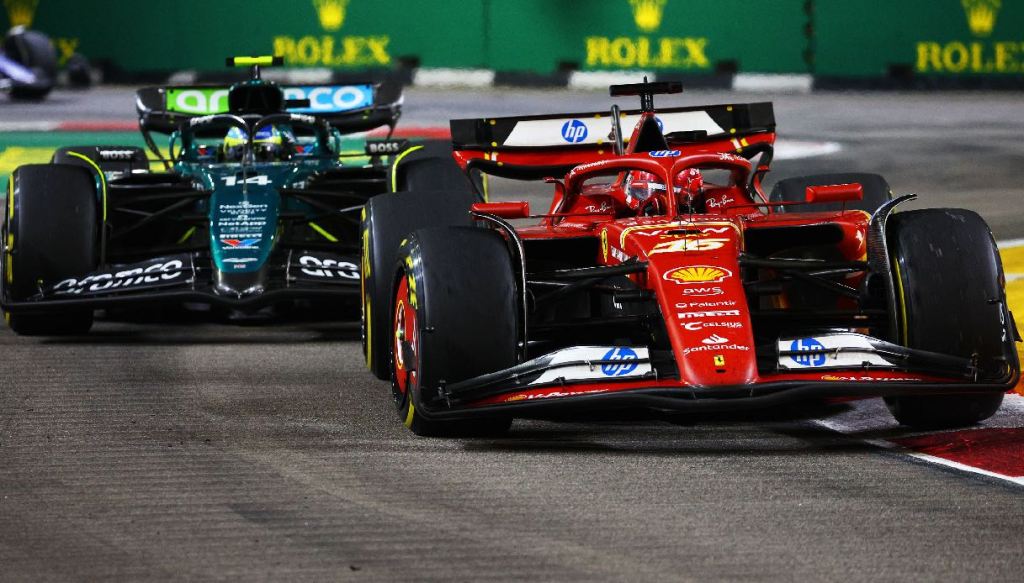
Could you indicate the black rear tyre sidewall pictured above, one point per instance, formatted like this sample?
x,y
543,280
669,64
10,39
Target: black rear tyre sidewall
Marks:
x,y
387,220
876,192
430,167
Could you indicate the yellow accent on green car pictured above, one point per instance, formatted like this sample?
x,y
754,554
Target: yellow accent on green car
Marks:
x,y
103,179
394,166
323,232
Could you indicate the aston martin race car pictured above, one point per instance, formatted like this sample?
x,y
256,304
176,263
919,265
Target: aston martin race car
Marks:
x,y
255,202
664,277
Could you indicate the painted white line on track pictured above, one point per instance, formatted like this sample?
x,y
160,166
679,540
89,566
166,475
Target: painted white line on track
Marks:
x,y
753,82
602,79
1010,243
28,126
453,78
870,416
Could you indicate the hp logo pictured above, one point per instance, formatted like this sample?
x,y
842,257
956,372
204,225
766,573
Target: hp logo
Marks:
x,y
808,345
628,363
574,131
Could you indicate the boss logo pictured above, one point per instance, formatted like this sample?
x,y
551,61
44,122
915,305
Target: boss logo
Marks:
x,y
123,155
377,148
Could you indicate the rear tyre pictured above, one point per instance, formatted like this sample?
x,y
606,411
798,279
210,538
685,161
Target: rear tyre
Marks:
x,y
949,281
387,220
48,199
430,167
876,192
454,318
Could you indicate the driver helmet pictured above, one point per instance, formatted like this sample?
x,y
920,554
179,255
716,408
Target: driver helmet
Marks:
x,y
268,144
642,185
689,186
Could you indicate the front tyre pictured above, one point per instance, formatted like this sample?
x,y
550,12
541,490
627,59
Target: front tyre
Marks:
x,y
948,276
43,200
454,318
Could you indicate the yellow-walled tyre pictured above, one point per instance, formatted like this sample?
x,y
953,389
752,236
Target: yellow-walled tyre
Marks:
x,y
949,280
44,200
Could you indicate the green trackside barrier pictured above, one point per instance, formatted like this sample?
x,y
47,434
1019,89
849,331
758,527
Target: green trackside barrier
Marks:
x,y
872,38
693,36
164,35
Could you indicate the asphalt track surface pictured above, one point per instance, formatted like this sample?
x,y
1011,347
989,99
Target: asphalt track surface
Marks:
x,y
179,446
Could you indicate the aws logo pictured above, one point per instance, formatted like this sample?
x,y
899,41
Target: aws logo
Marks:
x,y
981,15
647,13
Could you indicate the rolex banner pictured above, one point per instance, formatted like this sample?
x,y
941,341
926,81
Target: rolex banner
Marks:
x,y
946,38
538,36
830,38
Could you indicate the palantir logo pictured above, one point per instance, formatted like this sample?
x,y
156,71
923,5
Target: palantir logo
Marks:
x,y
574,131
627,357
809,345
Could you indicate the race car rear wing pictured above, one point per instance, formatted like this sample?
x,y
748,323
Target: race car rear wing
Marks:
x,y
534,147
349,108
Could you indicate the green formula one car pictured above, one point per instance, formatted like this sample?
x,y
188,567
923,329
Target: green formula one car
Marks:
x,y
258,202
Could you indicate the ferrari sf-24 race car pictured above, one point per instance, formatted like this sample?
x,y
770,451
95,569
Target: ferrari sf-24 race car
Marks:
x,y
663,277
257,203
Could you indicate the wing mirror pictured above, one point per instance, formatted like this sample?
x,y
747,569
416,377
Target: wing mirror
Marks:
x,y
835,193
505,210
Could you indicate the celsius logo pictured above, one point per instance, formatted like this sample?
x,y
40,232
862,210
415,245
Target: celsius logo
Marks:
x,y
620,353
574,131
807,345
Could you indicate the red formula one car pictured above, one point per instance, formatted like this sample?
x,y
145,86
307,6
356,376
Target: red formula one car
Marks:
x,y
664,277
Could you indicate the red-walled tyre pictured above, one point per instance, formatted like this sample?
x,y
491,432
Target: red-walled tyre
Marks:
x,y
454,318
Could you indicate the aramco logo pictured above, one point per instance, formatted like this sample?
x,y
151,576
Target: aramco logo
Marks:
x,y
647,13
981,15
331,13
21,12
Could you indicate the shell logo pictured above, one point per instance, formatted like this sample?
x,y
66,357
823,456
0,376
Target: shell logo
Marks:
x,y
698,274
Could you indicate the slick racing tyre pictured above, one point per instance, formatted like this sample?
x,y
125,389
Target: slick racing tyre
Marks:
x,y
387,220
103,158
429,166
876,192
35,51
45,200
948,277
454,318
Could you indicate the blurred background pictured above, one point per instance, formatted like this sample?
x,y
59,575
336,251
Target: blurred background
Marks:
x,y
853,43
